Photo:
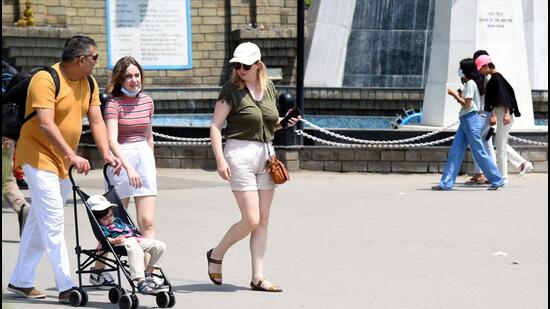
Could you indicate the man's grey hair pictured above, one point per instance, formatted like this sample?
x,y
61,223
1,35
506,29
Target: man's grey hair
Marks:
x,y
77,46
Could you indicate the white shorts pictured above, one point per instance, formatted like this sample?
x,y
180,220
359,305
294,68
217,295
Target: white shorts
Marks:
x,y
247,161
141,157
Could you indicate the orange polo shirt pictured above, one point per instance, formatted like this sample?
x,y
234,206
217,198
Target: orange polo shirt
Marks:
x,y
71,105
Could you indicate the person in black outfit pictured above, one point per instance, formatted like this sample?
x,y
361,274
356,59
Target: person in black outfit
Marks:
x,y
500,100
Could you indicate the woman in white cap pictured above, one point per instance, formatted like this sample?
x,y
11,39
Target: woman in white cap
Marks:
x,y
248,103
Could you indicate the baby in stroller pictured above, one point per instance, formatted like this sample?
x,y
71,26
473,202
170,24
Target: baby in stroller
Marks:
x,y
118,233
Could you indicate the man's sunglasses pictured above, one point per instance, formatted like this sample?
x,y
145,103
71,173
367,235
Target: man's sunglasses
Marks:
x,y
238,65
94,57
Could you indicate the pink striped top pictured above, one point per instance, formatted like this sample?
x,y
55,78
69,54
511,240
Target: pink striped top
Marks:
x,y
134,116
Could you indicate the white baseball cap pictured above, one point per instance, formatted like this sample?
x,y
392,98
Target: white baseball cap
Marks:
x,y
246,53
99,203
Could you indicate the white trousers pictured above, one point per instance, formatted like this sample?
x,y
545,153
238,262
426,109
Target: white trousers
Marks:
x,y
43,230
504,151
513,156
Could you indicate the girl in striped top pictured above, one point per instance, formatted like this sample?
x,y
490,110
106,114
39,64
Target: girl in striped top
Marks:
x,y
128,116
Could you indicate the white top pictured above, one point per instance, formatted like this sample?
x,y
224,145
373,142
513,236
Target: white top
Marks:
x,y
470,91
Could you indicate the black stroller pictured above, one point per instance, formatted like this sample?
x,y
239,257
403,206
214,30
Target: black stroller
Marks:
x,y
125,299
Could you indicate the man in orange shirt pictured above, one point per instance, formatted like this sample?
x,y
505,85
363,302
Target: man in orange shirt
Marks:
x,y
46,149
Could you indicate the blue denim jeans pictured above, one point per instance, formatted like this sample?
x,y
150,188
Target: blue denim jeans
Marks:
x,y
468,133
488,144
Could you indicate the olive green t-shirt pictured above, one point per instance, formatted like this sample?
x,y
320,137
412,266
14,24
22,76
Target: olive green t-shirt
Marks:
x,y
250,120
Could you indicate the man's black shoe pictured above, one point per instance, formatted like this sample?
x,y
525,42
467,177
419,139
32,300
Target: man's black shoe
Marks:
x,y
22,184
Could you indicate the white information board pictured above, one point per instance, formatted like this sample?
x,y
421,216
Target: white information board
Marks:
x,y
157,33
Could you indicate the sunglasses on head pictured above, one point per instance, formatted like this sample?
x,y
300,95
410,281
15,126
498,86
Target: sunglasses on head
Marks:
x,y
238,65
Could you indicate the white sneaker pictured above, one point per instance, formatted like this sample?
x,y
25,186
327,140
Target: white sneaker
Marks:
x,y
148,286
525,168
102,280
159,282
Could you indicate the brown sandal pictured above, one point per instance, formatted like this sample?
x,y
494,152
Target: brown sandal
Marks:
x,y
215,277
477,179
258,287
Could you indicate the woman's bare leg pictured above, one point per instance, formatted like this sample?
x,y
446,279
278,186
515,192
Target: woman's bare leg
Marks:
x,y
248,203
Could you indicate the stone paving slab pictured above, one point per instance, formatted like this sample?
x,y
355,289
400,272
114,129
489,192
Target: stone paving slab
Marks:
x,y
339,240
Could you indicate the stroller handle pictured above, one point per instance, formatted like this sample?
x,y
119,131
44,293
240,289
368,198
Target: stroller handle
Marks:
x,y
109,185
72,167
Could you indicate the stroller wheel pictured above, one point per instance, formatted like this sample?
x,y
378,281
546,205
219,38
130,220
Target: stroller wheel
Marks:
x,y
172,301
135,302
114,295
84,300
75,298
163,299
125,302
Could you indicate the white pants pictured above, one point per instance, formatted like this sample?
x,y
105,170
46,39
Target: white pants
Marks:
x,y
513,156
43,230
504,151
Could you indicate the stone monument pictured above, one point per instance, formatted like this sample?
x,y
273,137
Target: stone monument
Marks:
x,y
461,28
327,45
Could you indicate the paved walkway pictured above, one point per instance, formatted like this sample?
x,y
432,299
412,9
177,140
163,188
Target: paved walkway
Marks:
x,y
340,241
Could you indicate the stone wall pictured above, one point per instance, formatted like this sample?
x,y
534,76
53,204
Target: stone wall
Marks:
x,y
417,160
212,25
19,45
320,158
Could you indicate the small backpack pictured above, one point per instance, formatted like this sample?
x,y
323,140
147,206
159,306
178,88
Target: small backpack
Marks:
x,y
15,100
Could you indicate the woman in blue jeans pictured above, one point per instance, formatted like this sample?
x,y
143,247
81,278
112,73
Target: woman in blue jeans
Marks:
x,y
468,132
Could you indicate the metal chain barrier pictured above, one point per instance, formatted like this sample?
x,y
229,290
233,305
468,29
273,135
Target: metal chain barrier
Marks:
x,y
194,143
402,143
526,141
320,140
389,143
182,139
361,141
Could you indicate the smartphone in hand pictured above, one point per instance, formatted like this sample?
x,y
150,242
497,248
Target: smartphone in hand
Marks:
x,y
295,112
490,133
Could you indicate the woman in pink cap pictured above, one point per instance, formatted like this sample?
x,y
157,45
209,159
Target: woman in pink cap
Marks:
x,y
500,100
248,104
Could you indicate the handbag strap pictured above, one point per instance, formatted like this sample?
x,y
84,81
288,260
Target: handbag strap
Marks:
x,y
267,145
268,150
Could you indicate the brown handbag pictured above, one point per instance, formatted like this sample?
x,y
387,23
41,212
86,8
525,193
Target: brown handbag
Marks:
x,y
277,169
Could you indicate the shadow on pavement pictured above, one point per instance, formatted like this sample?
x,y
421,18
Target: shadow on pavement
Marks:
x,y
207,287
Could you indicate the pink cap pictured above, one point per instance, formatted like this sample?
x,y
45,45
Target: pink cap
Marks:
x,y
482,60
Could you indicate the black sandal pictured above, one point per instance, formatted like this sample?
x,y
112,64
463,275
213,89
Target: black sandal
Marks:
x,y
258,287
215,277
